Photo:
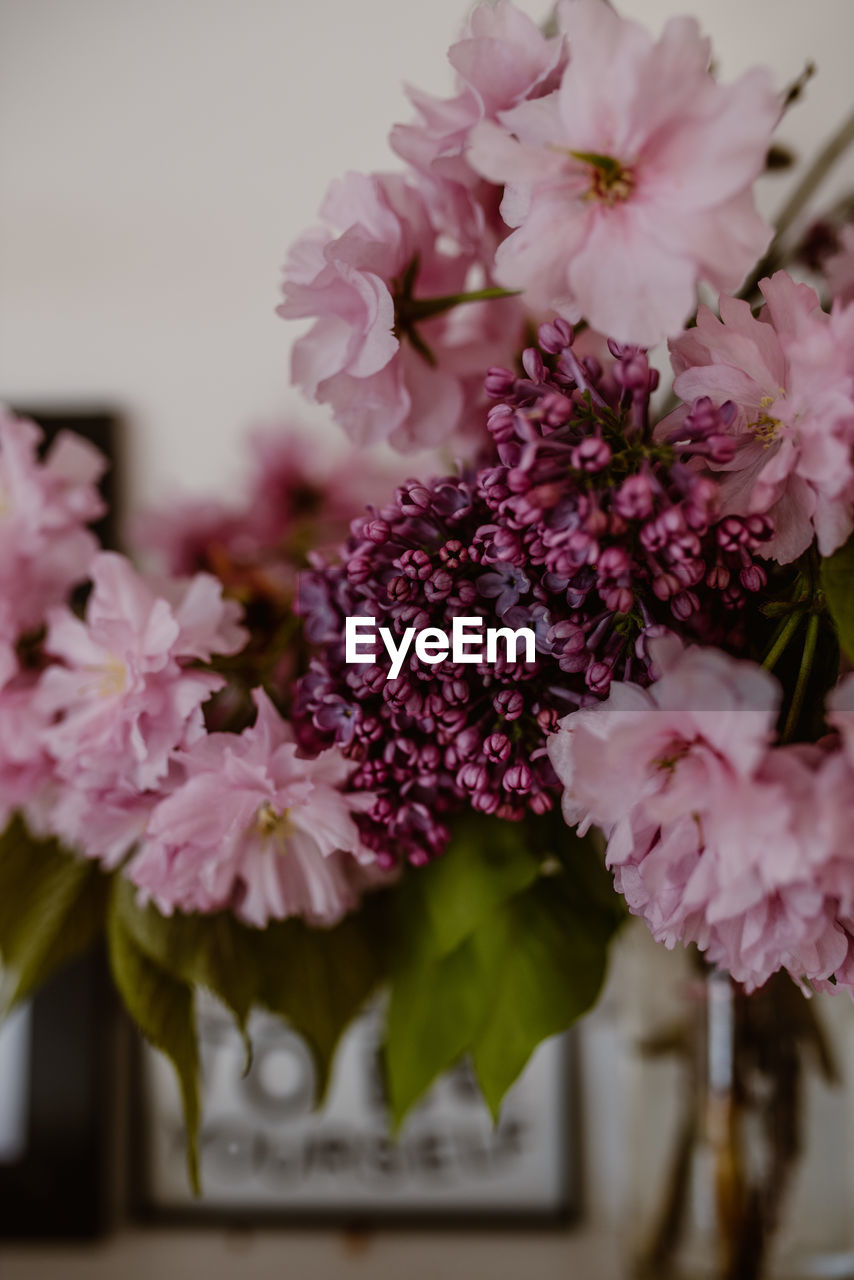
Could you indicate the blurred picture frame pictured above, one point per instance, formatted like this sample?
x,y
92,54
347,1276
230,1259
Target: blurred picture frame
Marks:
x,y
268,1157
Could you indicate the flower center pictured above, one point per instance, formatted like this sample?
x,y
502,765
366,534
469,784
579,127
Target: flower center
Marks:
x,y
611,182
765,428
110,679
270,824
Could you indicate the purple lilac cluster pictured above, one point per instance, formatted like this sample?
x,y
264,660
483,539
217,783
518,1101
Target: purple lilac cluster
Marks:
x,y
627,530
581,529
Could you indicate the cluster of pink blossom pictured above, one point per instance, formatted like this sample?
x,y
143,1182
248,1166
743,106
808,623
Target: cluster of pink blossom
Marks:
x,y
597,173
104,740
789,376
715,835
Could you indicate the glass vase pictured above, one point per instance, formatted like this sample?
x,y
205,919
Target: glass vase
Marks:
x,y
740,1157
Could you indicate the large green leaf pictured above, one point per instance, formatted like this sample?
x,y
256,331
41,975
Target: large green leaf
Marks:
x,y
212,951
486,862
523,956
316,979
52,907
319,979
552,948
837,580
162,1006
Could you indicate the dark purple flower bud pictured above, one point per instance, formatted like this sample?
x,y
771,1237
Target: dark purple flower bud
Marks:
x,y
547,719
599,676
509,703
496,748
473,777
377,530
555,409
555,335
399,588
753,577
591,455
532,363
454,554
634,499
415,499
684,604
416,564
499,383
485,801
438,585
517,778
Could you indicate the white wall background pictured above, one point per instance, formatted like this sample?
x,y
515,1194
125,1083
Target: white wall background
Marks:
x,y
157,157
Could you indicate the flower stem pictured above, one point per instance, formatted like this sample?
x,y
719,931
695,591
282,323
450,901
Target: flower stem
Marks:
x,y
810,642
415,309
782,636
831,152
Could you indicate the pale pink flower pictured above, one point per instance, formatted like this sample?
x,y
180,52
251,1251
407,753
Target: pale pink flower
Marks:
x,y
632,181
789,376
385,375
257,830
661,751
501,59
25,767
715,836
124,695
45,548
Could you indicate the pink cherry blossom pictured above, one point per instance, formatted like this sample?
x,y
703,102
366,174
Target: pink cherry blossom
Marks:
x,y
255,829
25,767
633,180
124,695
501,59
385,374
716,836
45,548
789,376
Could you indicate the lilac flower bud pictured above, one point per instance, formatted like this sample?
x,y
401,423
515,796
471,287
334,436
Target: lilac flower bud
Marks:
x,y
473,777
377,530
555,335
517,778
497,748
634,498
509,703
684,604
416,564
753,577
532,363
499,383
591,455
415,498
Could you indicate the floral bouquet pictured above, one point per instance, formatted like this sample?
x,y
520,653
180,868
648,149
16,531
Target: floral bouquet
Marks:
x,y
436,739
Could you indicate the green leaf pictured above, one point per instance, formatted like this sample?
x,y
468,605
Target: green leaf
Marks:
x,y
319,979
52,908
552,944
212,951
486,862
492,965
163,1008
837,580
436,1007
316,979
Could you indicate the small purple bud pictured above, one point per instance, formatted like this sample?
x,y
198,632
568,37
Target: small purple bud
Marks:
x,y
509,703
496,748
555,335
